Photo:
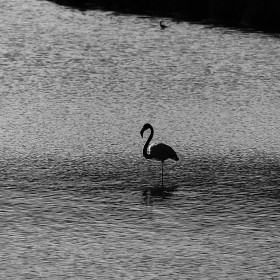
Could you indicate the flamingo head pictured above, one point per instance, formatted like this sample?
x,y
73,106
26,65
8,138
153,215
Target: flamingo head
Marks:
x,y
145,127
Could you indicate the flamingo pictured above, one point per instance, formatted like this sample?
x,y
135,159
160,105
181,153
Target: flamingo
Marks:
x,y
160,151
162,25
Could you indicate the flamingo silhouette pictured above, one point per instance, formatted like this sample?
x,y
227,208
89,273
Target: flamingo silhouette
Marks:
x,y
162,25
160,151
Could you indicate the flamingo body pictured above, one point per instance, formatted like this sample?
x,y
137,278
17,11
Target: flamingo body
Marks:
x,y
161,152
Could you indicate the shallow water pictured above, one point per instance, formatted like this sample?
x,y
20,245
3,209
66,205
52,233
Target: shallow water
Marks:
x,y
79,201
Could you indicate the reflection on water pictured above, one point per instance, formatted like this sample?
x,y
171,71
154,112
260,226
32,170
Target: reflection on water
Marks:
x,y
79,201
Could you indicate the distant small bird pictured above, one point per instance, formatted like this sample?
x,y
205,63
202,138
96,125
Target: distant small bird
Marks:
x,y
162,25
160,151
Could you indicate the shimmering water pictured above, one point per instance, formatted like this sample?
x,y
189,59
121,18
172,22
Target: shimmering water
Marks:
x,y
78,200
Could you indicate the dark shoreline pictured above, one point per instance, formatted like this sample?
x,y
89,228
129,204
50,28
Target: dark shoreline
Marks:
x,y
258,15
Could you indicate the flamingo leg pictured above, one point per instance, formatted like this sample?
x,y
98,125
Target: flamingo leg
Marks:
x,y
162,174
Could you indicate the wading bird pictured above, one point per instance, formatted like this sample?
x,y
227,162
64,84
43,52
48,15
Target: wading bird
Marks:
x,y
162,25
160,151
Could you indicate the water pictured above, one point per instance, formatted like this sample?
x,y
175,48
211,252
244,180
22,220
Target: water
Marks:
x,y
78,200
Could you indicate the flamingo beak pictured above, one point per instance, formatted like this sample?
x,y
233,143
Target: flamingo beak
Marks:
x,y
145,127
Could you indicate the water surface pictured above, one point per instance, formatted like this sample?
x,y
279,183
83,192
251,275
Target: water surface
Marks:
x,y
79,201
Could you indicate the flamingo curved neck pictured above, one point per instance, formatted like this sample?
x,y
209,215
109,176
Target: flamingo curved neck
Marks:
x,y
145,149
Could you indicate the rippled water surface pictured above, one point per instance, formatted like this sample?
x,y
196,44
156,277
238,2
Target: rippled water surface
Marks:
x,y
79,201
